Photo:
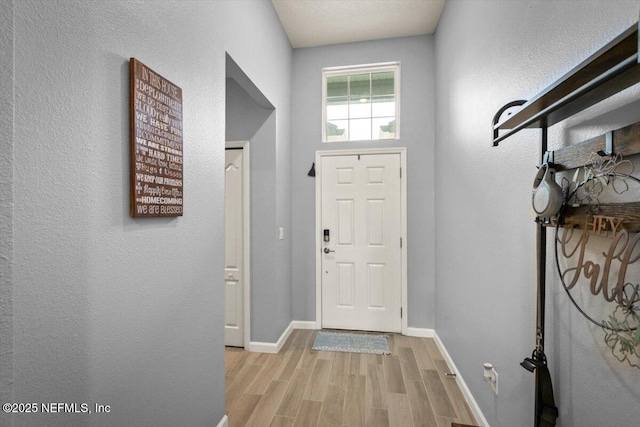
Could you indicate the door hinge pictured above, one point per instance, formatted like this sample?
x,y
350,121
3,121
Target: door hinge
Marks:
x,y
401,243
400,172
401,312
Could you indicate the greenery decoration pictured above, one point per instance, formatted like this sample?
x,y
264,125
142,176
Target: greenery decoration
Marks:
x,y
622,328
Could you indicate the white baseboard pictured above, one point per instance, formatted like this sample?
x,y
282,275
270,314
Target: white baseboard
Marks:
x,y
224,422
269,347
262,347
420,332
304,324
473,405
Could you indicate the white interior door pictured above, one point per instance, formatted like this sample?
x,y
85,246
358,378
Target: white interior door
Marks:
x,y
361,208
233,269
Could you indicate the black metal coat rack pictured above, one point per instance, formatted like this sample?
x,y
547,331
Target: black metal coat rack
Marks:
x,y
611,69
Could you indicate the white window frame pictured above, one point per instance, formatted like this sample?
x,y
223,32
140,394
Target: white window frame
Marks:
x,y
360,69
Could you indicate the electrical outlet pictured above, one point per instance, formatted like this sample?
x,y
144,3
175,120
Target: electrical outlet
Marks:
x,y
491,376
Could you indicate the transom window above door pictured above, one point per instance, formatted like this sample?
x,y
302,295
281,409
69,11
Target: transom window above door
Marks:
x,y
361,103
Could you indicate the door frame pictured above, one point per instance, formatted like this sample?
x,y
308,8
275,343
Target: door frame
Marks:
x,y
246,235
402,151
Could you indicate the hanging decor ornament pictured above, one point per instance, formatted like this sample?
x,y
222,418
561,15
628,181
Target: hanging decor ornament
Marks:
x,y
547,195
604,254
622,335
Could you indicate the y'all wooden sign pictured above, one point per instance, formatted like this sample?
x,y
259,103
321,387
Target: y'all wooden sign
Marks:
x,y
156,144
623,251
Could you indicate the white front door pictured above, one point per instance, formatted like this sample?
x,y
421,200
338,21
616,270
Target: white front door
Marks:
x,y
233,268
361,212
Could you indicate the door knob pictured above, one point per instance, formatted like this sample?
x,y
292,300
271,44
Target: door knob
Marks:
x,y
327,250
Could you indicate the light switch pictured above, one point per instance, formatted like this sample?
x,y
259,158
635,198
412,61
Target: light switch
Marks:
x,y
281,233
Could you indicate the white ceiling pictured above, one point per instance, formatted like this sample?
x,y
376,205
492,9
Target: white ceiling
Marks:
x,y
322,22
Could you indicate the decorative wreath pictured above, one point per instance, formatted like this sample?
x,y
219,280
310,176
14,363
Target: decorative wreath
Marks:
x,y
622,328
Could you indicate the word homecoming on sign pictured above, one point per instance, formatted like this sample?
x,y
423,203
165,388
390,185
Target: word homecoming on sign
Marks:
x,y
156,144
624,250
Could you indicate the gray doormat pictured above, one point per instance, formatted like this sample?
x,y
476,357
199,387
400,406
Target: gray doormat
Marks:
x,y
351,343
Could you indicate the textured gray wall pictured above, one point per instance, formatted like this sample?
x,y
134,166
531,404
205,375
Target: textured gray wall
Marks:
x,y
270,288
106,308
6,208
487,54
417,134
270,297
243,115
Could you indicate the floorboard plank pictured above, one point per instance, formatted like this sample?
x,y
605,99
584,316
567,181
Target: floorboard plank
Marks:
x,y
467,416
327,355
433,348
308,358
410,370
332,407
290,365
399,410
308,414
438,394
293,396
450,383
376,390
339,369
318,382
279,421
354,364
302,338
376,417
237,362
423,357
242,410
393,375
266,374
401,340
420,406
376,358
354,413
444,421
257,358
391,340
289,342
241,382
268,405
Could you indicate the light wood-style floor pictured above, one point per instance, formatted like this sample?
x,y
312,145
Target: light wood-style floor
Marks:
x,y
304,387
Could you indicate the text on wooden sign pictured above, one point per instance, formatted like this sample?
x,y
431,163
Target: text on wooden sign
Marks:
x,y
156,144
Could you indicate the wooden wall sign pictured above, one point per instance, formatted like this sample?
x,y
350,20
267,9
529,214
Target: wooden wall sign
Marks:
x,y
156,144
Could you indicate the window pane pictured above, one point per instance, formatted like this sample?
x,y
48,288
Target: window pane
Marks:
x,y
384,128
337,130
383,83
337,86
384,106
361,104
359,107
337,108
359,85
359,129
